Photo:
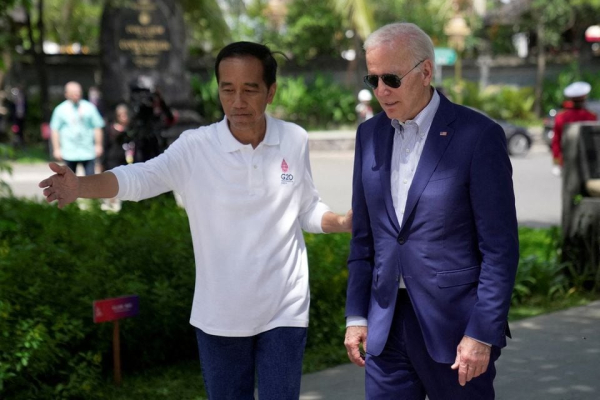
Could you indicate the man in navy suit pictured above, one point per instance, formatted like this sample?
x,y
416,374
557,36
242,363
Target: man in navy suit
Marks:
x,y
434,248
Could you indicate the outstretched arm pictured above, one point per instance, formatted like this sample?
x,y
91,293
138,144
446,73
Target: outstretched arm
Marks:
x,y
65,187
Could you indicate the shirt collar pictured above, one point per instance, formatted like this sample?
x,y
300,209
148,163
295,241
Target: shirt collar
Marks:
x,y
229,143
424,118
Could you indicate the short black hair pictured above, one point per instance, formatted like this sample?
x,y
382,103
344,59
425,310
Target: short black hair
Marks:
x,y
250,49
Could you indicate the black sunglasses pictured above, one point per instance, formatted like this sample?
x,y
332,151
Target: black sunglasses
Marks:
x,y
391,80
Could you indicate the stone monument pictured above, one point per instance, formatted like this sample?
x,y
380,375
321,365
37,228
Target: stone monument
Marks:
x,y
143,43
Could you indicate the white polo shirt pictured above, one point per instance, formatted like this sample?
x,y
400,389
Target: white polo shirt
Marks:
x,y
247,209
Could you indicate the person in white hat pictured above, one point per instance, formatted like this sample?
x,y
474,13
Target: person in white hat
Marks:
x,y
575,112
364,111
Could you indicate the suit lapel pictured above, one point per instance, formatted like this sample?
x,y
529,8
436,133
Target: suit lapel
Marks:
x,y
384,144
438,138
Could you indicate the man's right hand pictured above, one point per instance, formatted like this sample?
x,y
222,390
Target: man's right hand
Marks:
x,y
62,186
356,335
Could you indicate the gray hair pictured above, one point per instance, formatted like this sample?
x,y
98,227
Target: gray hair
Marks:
x,y
419,44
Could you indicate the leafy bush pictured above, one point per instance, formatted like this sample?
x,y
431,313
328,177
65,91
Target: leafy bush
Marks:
x,y
54,263
327,255
206,93
540,272
501,102
319,104
6,153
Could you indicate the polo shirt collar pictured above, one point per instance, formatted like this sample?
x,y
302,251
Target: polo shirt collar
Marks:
x,y
229,143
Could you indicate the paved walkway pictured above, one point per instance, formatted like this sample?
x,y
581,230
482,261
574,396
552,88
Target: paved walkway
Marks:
x,y
551,357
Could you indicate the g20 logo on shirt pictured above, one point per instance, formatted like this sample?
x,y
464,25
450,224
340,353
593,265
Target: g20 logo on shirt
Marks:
x,y
285,177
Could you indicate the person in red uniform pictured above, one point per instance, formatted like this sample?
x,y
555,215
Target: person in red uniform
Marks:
x,y
577,93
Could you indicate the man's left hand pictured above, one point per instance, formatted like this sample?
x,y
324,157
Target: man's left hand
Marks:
x,y
346,222
332,222
472,359
99,150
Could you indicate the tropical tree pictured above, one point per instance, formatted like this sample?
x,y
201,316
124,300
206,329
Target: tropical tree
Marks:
x,y
550,19
207,29
429,15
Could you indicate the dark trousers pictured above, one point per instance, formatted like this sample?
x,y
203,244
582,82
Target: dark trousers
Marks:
x,y
229,364
404,370
88,166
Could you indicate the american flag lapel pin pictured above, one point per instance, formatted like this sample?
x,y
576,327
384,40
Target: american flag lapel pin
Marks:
x,y
443,133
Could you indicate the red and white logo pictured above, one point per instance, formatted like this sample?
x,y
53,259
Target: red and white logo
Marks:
x,y
286,178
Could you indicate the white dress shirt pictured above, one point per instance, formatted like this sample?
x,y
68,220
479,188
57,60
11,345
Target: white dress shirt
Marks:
x,y
247,209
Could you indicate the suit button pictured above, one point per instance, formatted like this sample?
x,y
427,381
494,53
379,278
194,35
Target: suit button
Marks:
x,y
401,240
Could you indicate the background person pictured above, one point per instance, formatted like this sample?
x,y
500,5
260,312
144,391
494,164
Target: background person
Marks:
x,y
247,188
116,144
18,114
151,115
116,139
434,247
575,111
76,128
364,111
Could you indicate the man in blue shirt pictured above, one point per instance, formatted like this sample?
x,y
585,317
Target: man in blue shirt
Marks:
x,y
76,130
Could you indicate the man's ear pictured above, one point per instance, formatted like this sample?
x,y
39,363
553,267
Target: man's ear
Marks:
x,y
271,93
428,70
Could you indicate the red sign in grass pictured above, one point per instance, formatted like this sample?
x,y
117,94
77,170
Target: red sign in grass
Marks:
x,y
116,308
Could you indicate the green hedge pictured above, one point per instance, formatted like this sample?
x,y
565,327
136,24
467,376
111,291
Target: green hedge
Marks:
x,y
54,263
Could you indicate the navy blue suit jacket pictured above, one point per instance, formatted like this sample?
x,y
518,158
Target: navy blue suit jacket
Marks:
x,y
457,249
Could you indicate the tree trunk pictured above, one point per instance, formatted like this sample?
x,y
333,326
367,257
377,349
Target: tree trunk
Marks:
x,y
66,13
541,68
353,71
7,61
39,57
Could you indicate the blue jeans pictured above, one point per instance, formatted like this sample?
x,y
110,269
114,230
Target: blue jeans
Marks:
x,y
229,364
88,166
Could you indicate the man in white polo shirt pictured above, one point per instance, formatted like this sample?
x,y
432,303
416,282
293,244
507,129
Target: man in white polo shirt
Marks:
x,y
247,188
